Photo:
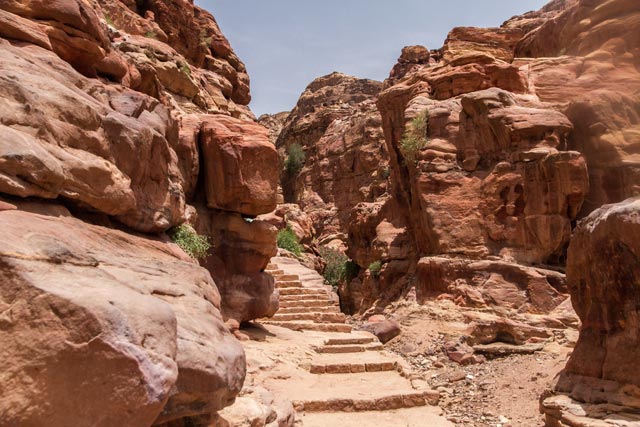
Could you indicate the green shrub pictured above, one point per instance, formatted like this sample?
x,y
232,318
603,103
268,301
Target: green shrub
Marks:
x,y
415,137
195,245
288,240
184,67
108,19
151,35
295,159
374,268
335,269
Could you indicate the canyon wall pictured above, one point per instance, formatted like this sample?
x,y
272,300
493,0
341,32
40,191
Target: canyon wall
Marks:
x,y
121,120
600,385
497,144
337,125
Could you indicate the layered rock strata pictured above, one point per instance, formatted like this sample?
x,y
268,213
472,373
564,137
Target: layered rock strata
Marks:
x,y
130,116
600,384
519,138
338,127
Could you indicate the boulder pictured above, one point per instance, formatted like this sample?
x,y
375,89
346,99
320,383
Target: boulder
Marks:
x,y
110,150
241,249
603,275
240,166
487,329
385,330
124,327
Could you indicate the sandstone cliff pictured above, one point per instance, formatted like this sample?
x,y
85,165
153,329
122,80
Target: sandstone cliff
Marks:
x,y
600,385
338,126
120,120
498,142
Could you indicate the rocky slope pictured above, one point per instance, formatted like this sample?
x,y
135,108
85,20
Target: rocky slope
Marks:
x,y
121,120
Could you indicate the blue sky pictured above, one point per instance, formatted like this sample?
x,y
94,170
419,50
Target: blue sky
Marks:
x,y
288,43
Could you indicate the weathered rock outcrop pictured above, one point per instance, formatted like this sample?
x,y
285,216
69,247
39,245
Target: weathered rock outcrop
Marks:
x,y
513,149
125,327
338,126
603,275
240,166
132,115
130,151
585,62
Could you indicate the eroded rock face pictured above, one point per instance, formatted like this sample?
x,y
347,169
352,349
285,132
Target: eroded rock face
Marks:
x,y
70,137
600,383
124,113
490,283
338,126
241,166
603,274
524,135
241,250
125,327
585,61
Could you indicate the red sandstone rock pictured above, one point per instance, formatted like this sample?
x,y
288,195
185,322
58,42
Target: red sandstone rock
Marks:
x,y
498,43
241,250
72,29
102,106
385,330
87,150
290,215
338,127
109,322
240,166
584,63
490,283
412,59
603,275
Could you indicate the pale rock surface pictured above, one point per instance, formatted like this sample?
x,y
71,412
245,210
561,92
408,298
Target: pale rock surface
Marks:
x,y
125,327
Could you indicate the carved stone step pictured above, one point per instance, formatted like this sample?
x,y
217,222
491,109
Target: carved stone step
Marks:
x,y
295,301
351,348
311,326
319,308
313,316
304,291
289,284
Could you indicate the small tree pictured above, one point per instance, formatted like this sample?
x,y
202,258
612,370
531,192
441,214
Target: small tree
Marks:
x,y
194,244
295,159
288,240
415,137
375,267
335,269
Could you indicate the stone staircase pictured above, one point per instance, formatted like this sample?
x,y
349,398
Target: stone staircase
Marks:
x,y
350,381
313,307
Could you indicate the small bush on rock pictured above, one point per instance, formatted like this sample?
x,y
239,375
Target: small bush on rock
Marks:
x,y
374,268
194,244
184,67
288,240
295,159
337,265
415,137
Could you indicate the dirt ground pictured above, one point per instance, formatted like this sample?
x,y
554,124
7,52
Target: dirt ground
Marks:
x,y
500,392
